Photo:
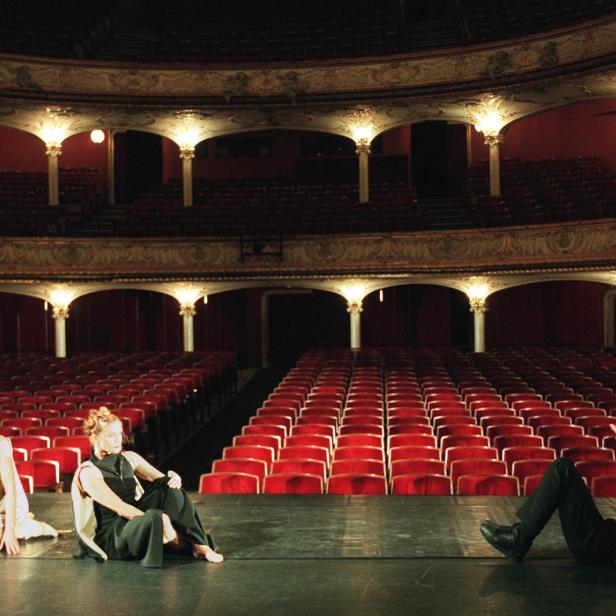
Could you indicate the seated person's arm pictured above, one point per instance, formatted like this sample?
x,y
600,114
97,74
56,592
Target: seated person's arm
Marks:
x,y
146,471
94,485
8,540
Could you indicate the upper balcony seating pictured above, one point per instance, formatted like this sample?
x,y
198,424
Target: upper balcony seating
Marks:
x,y
549,190
24,208
270,208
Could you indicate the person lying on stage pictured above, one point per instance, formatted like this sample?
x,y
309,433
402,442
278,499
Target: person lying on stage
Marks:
x,y
16,521
116,519
590,537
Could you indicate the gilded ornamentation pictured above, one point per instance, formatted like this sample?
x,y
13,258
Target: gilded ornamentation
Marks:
x,y
512,249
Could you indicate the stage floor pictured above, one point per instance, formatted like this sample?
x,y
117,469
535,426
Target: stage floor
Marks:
x,y
296,555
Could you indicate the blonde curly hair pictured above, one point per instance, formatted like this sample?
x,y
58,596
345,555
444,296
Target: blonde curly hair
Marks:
x,y
97,420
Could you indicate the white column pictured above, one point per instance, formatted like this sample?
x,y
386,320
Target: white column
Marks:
x,y
53,154
493,142
60,314
187,154
111,167
354,308
188,311
363,152
479,307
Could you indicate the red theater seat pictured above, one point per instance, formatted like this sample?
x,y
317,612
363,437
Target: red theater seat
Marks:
x,y
504,442
293,483
366,467
508,430
301,467
359,440
68,458
577,454
42,414
310,440
304,452
255,452
558,443
512,454
258,439
49,431
424,485
604,486
319,429
243,466
279,431
476,467
417,467
464,452
228,483
525,468
28,443
45,473
589,469
488,485
559,430
23,423
356,483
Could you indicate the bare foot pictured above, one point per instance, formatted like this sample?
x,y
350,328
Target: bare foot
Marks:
x,y
206,552
169,533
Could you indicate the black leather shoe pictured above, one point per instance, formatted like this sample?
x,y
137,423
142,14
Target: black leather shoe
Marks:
x,y
505,539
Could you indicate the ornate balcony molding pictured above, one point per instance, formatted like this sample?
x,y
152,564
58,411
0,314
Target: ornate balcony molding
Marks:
x,y
590,43
548,248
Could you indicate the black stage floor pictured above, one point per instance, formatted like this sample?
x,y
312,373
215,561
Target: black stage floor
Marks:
x,y
296,555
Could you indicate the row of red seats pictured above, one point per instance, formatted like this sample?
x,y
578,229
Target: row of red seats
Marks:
x,y
272,418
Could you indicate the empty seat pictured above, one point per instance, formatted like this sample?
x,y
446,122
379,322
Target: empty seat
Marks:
x,y
68,458
576,454
356,483
302,467
589,469
512,454
603,486
488,485
293,483
256,452
464,452
558,443
407,466
476,467
525,468
245,466
367,467
304,452
424,485
228,483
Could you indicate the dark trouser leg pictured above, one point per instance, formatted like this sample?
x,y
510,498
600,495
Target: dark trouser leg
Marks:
x,y
178,506
562,488
143,538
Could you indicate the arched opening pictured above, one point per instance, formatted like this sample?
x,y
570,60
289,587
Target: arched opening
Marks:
x,y
439,159
417,315
556,313
295,320
26,326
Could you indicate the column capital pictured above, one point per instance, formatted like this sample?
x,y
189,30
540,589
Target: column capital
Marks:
x,y
493,140
187,153
355,306
60,312
53,150
478,304
362,147
188,310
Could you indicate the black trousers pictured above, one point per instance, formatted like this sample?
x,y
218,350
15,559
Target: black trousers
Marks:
x,y
590,537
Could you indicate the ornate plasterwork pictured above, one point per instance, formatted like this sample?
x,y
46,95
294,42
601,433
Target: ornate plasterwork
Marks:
x,y
591,244
420,70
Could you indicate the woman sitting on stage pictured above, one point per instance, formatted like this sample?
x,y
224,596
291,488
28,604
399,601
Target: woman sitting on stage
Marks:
x,y
115,518
16,522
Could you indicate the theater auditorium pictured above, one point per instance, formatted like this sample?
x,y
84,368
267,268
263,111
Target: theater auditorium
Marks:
x,y
347,267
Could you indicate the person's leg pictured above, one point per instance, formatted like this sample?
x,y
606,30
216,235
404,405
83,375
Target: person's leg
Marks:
x,y
177,505
142,538
561,488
